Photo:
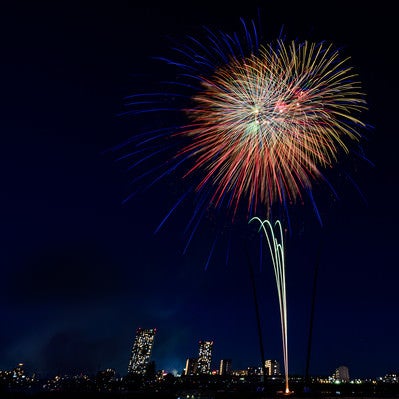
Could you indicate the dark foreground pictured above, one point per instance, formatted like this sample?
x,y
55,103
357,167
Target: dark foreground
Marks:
x,y
246,391
192,395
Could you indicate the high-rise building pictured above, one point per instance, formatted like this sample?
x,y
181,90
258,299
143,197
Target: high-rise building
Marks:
x,y
191,366
225,367
341,374
204,357
141,351
272,367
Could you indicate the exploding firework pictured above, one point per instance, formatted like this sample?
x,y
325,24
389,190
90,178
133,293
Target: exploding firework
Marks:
x,y
261,123
263,126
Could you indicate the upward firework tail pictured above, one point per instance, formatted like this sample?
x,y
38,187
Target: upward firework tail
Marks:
x,y
275,243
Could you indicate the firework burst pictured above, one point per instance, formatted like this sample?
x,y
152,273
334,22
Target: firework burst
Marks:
x,y
263,126
263,122
255,126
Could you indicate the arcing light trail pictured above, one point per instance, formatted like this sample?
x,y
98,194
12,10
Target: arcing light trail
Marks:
x,y
276,249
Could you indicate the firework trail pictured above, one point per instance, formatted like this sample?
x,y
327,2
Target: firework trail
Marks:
x,y
276,249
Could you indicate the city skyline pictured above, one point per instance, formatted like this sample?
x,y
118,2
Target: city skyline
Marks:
x,y
203,364
18,382
82,267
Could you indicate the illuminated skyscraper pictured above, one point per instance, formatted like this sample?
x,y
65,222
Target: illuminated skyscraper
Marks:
x,y
141,351
204,357
341,374
225,367
191,366
272,367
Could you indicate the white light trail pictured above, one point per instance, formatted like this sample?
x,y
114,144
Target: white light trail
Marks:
x,y
276,249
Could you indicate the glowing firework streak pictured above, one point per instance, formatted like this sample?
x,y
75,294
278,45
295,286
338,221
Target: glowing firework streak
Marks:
x,y
276,249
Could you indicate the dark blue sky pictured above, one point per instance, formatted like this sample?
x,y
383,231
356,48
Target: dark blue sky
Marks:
x,y
81,271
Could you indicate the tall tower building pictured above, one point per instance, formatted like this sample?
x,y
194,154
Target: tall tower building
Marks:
x,y
272,367
225,367
204,357
191,366
141,351
342,374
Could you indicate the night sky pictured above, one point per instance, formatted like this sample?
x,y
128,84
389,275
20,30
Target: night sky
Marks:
x,y
81,270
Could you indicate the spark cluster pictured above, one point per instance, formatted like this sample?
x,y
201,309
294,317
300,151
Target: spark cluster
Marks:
x,y
263,127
